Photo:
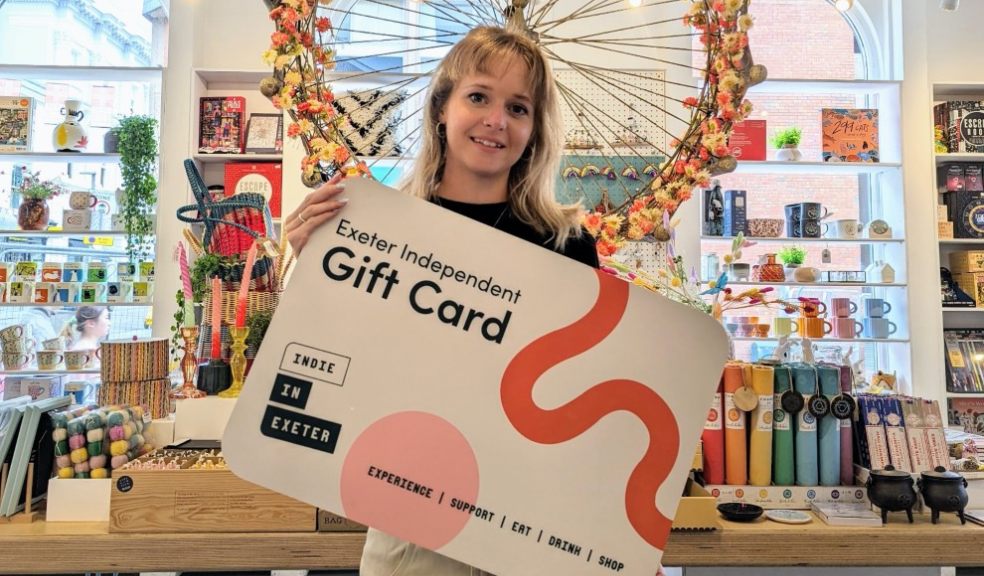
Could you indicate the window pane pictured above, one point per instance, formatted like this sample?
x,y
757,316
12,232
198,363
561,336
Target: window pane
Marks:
x,y
125,33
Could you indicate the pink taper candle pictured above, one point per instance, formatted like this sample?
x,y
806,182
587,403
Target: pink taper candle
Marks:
x,y
216,318
244,287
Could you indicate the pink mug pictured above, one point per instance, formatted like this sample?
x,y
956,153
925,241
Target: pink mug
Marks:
x,y
846,327
843,307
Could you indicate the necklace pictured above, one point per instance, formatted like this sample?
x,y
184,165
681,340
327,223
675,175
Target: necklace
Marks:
x,y
495,225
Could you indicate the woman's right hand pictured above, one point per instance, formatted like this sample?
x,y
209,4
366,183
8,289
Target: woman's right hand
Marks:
x,y
317,208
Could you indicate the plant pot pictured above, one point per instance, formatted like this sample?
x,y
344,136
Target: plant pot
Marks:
x,y
32,214
111,142
789,153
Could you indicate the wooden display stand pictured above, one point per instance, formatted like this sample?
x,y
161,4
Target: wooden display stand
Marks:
x,y
28,515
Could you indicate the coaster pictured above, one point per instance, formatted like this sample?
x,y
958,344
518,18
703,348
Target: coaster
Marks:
x,y
788,516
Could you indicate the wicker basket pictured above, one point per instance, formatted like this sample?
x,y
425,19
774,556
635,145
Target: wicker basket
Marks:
x,y
257,302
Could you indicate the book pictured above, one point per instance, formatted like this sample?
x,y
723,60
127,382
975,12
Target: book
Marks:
x,y
260,177
15,123
975,516
968,413
845,514
220,124
850,134
748,139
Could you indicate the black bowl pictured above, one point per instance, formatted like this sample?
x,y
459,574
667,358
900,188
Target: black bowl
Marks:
x,y
738,512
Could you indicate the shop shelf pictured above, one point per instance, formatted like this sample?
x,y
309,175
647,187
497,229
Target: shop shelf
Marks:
x,y
964,310
81,157
859,87
48,372
778,167
82,73
821,340
74,234
212,158
810,240
965,394
73,304
822,284
959,241
959,157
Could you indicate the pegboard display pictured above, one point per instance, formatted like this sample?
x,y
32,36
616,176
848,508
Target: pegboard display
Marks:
x,y
647,256
614,112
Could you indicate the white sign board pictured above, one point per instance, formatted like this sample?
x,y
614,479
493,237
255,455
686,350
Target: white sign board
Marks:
x,y
476,394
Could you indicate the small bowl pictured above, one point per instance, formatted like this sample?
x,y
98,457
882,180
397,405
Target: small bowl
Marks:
x,y
738,512
746,330
765,227
762,330
732,328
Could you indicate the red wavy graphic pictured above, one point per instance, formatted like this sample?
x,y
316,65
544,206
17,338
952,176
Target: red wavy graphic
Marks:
x,y
577,416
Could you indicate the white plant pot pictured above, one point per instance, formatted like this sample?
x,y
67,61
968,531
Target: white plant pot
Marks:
x,y
788,154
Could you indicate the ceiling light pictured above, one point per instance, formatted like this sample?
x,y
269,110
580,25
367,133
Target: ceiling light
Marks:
x,y
635,3
843,5
949,5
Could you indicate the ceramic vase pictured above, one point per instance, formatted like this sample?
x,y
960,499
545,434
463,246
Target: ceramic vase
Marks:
x,y
70,136
33,214
771,271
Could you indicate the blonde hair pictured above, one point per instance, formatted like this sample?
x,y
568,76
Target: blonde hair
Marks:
x,y
533,177
77,324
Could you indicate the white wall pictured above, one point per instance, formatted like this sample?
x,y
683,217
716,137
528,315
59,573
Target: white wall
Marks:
x,y
227,34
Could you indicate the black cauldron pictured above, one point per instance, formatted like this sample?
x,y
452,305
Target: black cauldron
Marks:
x,y
891,490
944,491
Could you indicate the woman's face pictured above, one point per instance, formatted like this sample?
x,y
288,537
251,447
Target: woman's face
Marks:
x,y
489,121
98,328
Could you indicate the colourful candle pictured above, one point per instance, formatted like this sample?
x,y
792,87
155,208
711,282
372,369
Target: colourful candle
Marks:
x,y
189,302
216,318
244,287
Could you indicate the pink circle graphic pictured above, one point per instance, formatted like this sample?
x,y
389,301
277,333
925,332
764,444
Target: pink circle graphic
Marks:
x,y
392,465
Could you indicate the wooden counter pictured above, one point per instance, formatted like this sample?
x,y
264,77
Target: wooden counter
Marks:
x,y
71,547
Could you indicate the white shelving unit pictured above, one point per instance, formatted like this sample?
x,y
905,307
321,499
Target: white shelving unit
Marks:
x,y
880,183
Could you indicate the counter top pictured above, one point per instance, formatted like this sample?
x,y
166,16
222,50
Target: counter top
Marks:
x,y
39,547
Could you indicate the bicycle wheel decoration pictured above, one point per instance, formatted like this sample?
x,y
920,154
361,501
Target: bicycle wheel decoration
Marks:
x,y
640,135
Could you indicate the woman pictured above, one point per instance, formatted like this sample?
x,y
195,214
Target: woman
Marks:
x,y
492,139
89,327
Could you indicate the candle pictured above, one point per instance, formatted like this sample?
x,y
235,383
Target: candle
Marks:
x,y
216,318
189,301
244,287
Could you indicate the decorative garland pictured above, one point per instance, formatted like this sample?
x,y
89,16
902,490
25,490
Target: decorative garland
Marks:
x,y
300,56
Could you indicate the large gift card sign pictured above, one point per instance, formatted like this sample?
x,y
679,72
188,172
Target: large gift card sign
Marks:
x,y
476,394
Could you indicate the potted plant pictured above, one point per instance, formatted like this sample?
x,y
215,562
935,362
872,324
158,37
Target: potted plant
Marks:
x,y
786,142
138,158
792,257
35,192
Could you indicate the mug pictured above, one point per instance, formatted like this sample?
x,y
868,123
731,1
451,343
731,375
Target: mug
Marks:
x,y
879,327
44,292
20,292
813,308
82,200
81,391
119,291
16,360
143,291
812,211
784,327
843,307
5,275
73,271
126,271
77,359
67,292
56,344
147,271
96,272
847,229
876,307
23,345
26,271
13,332
93,292
846,327
51,272
50,359
813,327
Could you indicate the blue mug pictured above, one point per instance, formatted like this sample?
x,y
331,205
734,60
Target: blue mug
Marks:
x,y
878,327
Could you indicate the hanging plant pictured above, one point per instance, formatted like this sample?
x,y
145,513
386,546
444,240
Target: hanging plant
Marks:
x,y
138,158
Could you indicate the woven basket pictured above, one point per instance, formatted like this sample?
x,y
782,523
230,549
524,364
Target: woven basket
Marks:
x,y
256,302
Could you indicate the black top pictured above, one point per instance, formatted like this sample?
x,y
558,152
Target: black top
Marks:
x,y
499,216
